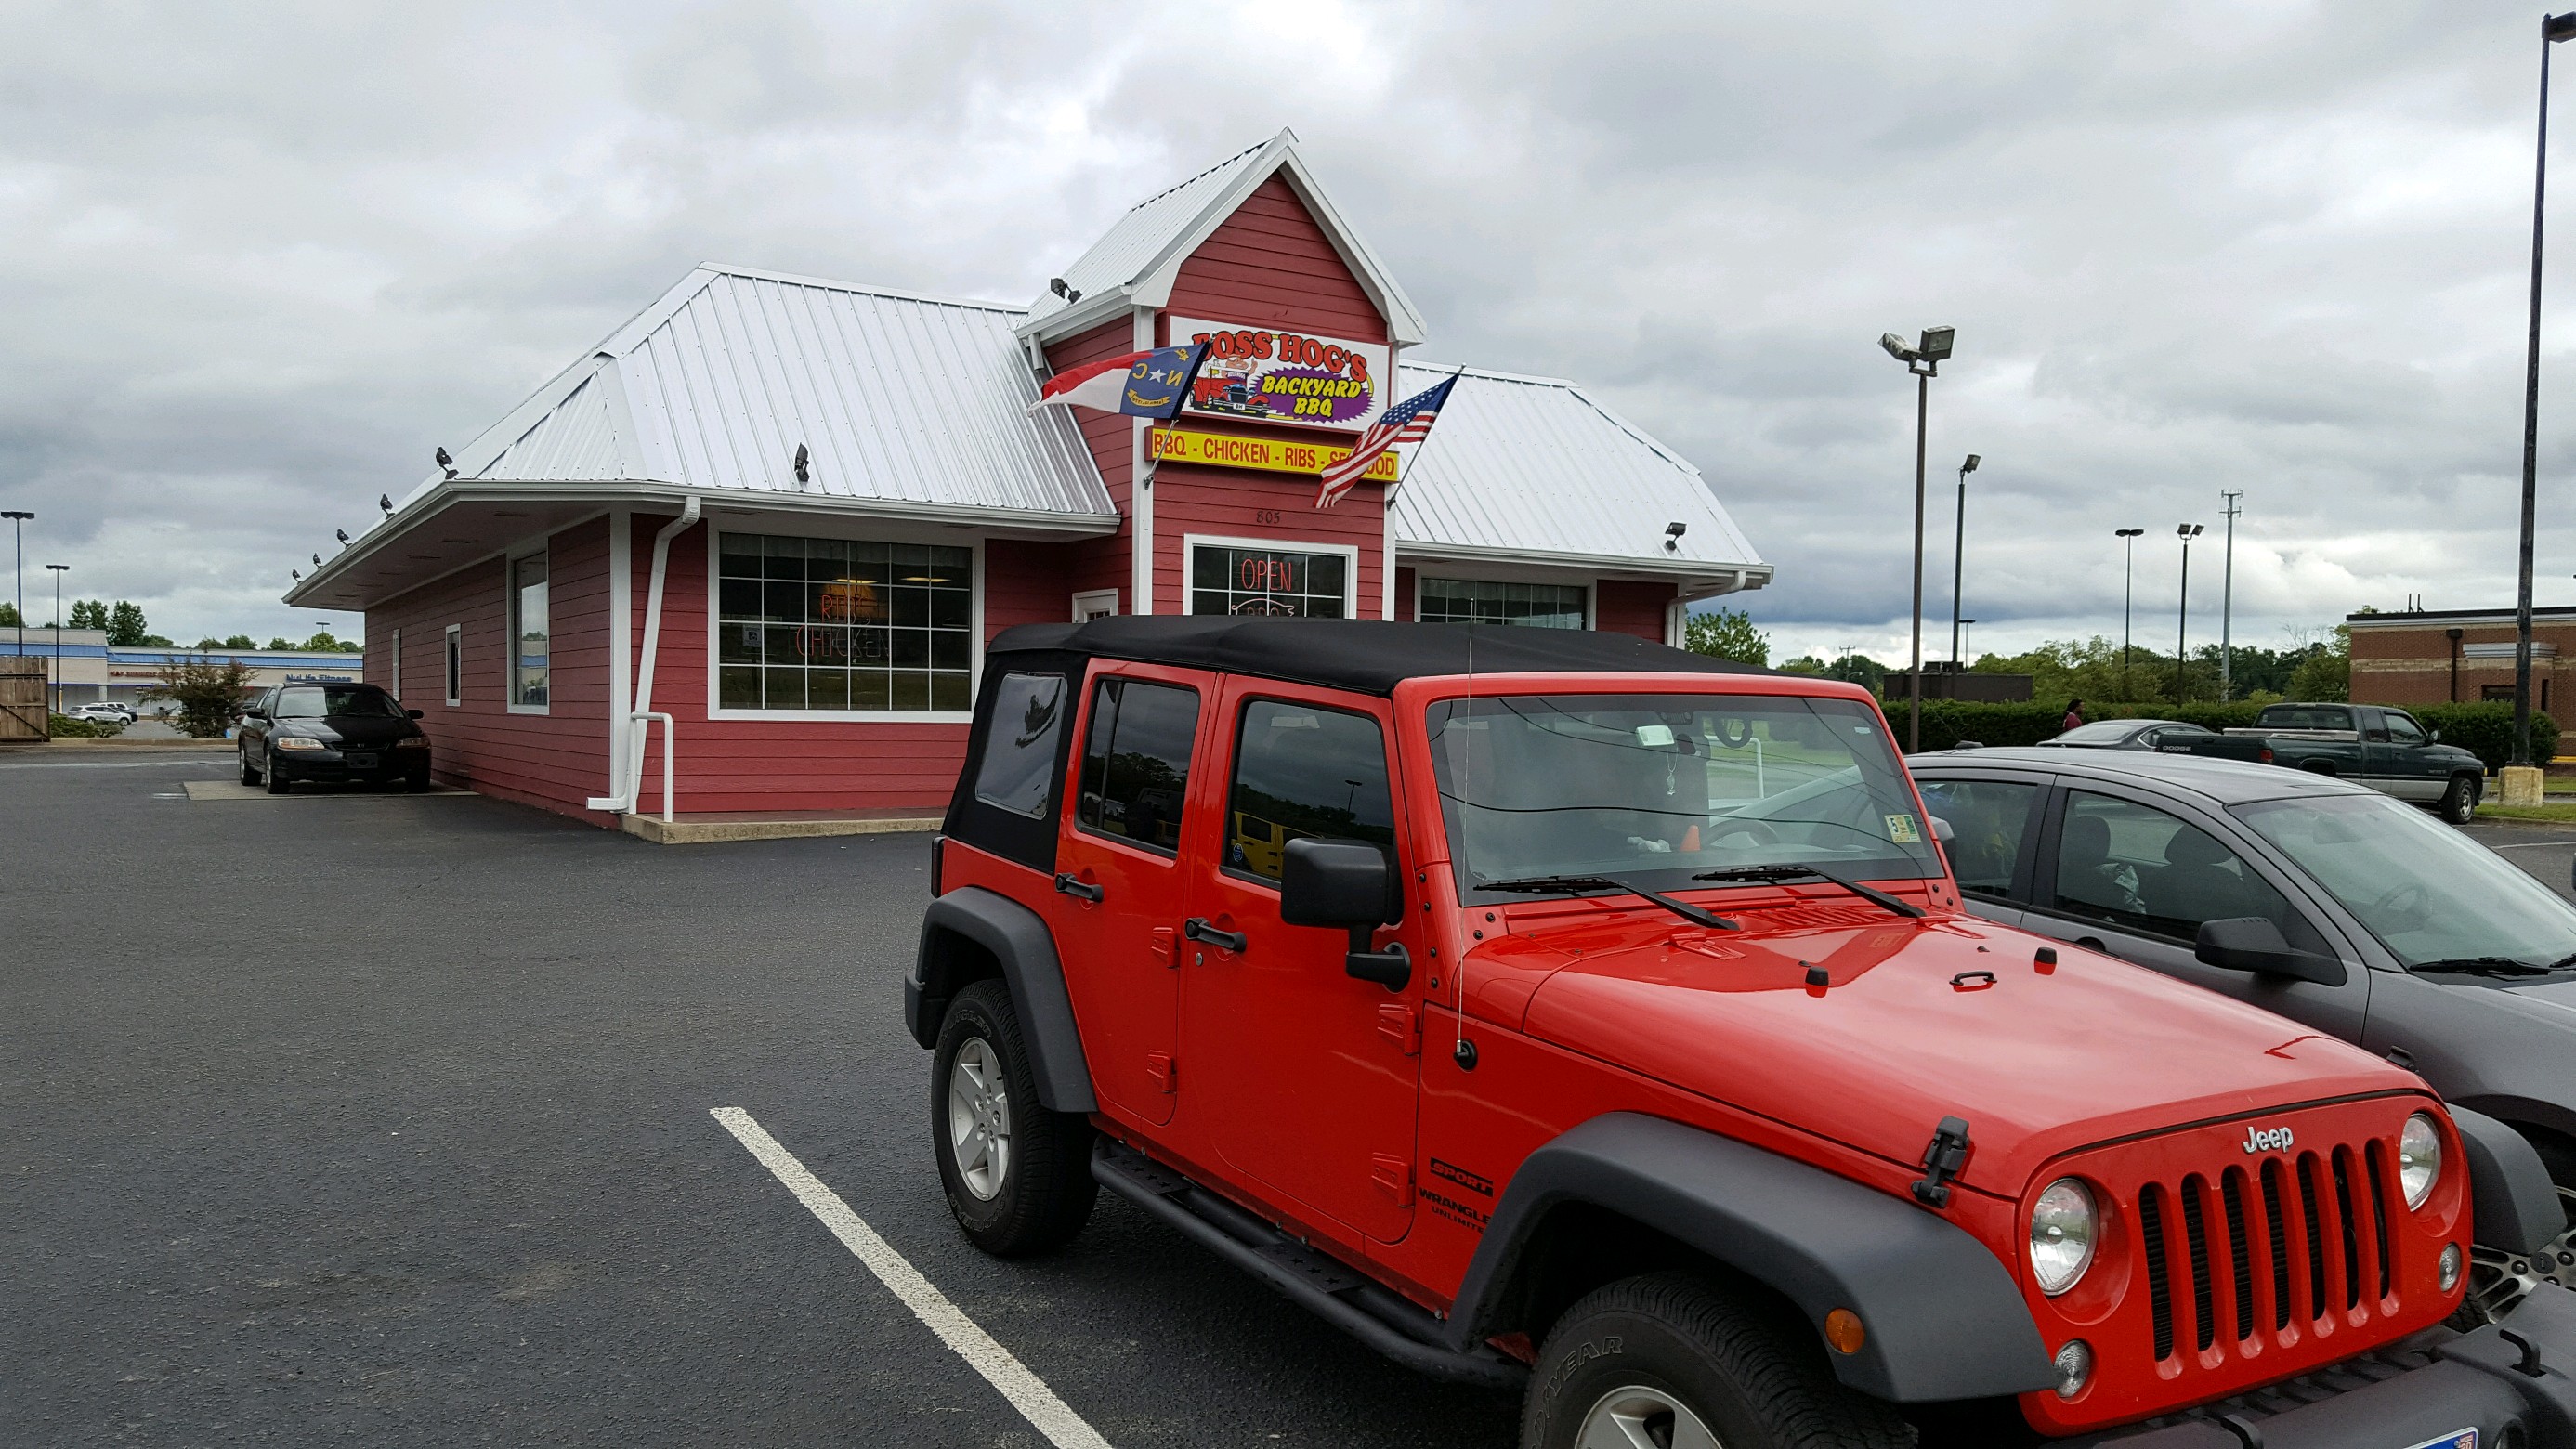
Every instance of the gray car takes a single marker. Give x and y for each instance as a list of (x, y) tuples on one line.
[(2321, 900)]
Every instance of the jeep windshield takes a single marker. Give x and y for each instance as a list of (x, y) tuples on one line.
[(1655, 789)]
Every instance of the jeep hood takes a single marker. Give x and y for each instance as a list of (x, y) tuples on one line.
[(2038, 1063)]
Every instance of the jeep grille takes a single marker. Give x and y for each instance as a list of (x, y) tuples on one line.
[(2297, 1243)]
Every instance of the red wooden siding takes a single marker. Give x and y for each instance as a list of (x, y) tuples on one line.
[(1629, 608), (1227, 502), (555, 760), (1270, 263), (1404, 595)]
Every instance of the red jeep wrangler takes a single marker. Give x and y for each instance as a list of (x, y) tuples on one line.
[(1560, 1009)]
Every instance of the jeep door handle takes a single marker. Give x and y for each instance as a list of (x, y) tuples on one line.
[(1198, 929), (1078, 888)]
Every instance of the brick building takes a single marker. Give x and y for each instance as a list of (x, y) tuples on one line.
[(2456, 656), (782, 516)]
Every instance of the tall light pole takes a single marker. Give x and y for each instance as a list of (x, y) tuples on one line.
[(18, 520), (1958, 558), (58, 569), (1963, 625), (2128, 597), (2553, 28), (2182, 621), (2227, 601), (1924, 360)]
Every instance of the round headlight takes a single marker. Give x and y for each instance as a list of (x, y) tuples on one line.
[(2062, 1229), (2419, 1158)]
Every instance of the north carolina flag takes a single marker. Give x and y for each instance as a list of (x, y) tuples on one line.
[(1150, 384)]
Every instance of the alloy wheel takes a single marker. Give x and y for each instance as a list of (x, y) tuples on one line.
[(979, 1118), (1638, 1417)]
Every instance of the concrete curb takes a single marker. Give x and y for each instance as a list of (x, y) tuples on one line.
[(709, 832)]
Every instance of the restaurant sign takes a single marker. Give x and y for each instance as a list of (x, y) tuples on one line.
[(1274, 375), (1175, 445)]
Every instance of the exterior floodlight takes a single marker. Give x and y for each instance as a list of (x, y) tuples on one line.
[(2187, 530), (1672, 536), (2558, 27), (1935, 346), (1969, 466), (2127, 532), (1896, 347)]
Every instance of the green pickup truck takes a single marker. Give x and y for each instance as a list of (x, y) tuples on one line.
[(2365, 743)]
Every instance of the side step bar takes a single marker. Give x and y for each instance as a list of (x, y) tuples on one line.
[(1371, 1314)]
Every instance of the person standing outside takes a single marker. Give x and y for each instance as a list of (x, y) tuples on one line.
[(2074, 715)]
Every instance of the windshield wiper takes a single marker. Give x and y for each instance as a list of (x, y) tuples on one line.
[(1683, 909), (1871, 894), (2492, 966)]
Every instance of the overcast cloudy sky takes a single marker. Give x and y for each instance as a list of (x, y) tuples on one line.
[(256, 262)]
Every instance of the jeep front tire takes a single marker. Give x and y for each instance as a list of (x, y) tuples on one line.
[(1018, 1176), (1668, 1359)]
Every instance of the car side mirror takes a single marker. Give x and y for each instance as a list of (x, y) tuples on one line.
[(411, 714), (1942, 830), (2255, 944), (1346, 885), (2433, 737)]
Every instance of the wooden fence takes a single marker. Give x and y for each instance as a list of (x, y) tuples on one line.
[(22, 699)]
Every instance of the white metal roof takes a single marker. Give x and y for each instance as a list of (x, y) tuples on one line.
[(1536, 467), (897, 398), (1136, 261)]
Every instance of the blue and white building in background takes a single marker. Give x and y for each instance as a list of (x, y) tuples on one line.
[(93, 671)]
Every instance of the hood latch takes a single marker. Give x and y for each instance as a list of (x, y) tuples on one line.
[(1942, 1161)]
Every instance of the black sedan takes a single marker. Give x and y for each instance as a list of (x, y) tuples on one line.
[(334, 734), (2318, 899), (2126, 734)]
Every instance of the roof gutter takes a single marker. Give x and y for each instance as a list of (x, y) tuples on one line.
[(639, 712), (1754, 574)]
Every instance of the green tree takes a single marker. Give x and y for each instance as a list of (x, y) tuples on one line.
[(9, 617), (323, 642), (1804, 664), (275, 642), (1727, 634), (88, 614), (210, 696), (239, 641), (2327, 673), (125, 626), (1859, 669)]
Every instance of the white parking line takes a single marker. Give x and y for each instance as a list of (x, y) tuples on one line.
[(1027, 1392)]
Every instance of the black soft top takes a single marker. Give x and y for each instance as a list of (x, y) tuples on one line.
[(1368, 655)]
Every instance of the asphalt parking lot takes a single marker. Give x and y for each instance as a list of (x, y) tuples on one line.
[(388, 1119)]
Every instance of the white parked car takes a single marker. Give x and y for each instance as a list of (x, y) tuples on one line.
[(105, 712)]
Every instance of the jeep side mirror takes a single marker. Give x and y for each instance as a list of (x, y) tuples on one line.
[(1346, 885), (2253, 943)]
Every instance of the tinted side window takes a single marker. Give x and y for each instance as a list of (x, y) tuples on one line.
[(2140, 869), (2402, 730), (1136, 761), (1301, 771), (1018, 772), (1989, 818)]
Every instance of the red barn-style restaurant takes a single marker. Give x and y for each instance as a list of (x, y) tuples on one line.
[(782, 516)]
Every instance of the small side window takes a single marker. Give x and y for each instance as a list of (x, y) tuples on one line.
[(1018, 773), (1300, 771), (1988, 820), (455, 666), (1136, 762), (2402, 730)]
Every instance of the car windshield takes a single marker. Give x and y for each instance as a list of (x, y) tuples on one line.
[(321, 701), (1657, 788), (2100, 732), (2429, 893)]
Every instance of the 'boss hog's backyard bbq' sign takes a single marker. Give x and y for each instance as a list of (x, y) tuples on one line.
[(1278, 376)]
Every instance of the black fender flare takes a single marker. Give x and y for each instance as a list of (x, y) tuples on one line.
[(1944, 1319), (1019, 940), (2513, 1204)]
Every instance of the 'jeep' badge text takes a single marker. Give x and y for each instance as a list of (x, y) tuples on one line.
[(2257, 1139)]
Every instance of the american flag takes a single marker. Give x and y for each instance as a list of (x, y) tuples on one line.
[(1407, 422)]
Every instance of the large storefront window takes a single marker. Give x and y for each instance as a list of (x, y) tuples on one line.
[(529, 650), (1225, 579), (835, 624), (1467, 601)]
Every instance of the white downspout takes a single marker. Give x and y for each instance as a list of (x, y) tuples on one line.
[(640, 707)]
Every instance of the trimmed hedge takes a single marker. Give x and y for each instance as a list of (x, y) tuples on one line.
[(70, 727), (2484, 729)]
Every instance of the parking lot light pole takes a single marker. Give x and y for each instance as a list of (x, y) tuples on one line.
[(2182, 620), (18, 519), (1924, 361), (2128, 596), (2525, 788), (1964, 625), (2227, 600), (1958, 557), (57, 705)]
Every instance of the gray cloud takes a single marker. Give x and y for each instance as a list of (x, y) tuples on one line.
[(261, 263)]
